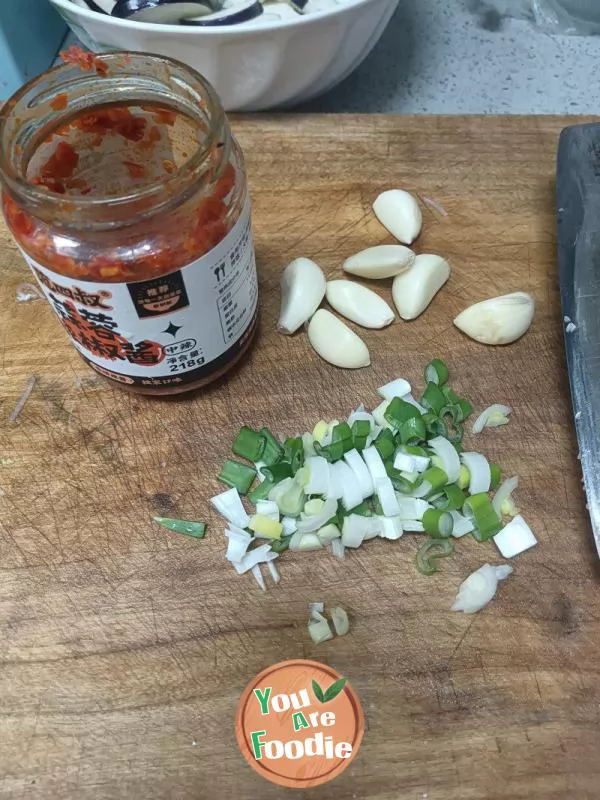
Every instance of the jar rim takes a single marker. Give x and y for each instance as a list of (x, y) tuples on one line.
[(25, 105)]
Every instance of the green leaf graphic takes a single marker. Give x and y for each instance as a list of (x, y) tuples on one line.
[(334, 690), (318, 692)]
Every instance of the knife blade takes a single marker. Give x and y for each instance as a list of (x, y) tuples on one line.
[(578, 230)]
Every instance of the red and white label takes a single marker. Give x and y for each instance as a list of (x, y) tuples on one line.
[(169, 330)]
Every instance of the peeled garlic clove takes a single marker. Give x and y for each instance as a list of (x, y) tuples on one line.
[(414, 290), (399, 212), (302, 290), (359, 304), (382, 261), (499, 320), (336, 343)]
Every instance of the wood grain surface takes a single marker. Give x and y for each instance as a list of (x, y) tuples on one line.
[(124, 649)]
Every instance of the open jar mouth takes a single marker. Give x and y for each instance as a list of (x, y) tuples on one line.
[(65, 93)]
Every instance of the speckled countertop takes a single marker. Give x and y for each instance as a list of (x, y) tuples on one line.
[(465, 57)]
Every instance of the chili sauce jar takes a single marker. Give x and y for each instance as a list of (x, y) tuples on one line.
[(125, 190)]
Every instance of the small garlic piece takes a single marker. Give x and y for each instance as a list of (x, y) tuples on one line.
[(414, 290), (499, 320), (381, 261), (336, 343), (302, 289), (359, 304), (399, 212)]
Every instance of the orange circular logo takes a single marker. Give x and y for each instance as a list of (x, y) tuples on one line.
[(299, 724)]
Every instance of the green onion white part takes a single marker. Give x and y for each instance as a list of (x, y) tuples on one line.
[(400, 469), (397, 388), (479, 588), (504, 493), (480, 476), (492, 417), (515, 538), (229, 505), (341, 624)]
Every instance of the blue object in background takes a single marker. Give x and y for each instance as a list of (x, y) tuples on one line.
[(31, 33)]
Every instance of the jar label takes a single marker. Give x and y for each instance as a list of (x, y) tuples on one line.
[(166, 331)]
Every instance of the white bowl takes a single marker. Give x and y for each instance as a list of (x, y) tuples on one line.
[(254, 66)]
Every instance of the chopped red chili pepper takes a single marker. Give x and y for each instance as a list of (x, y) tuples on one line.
[(84, 60), (59, 103)]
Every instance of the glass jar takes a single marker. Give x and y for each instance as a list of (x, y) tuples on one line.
[(126, 193)]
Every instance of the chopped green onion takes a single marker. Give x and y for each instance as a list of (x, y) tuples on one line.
[(451, 397), (399, 411), (277, 472), (479, 509), (324, 451), (293, 452), (385, 444), (342, 436), (495, 475), (363, 510), (399, 480), (314, 506), (452, 498), (273, 451), (433, 398), (377, 507), (457, 434), (291, 502), (414, 450), (459, 411), (279, 545), (464, 477), (436, 426), (260, 492), (430, 551), (436, 478), (361, 429), (437, 523), (413, 431), (436, 372), (249, 444), (239, 476), (184, 526), (458, 447)]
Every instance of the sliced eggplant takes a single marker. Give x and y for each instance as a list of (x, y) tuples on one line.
[(163, 12), (232, 15), (95, 7), (297, 5)]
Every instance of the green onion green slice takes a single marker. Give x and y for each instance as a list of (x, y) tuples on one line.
[(430, 551), (433, 398), (436, 372), (479, 509), (249, 444), (438, 524), (273, 451), (184, 526), (239, 476)]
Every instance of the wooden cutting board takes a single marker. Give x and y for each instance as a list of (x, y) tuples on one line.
[(124, 649)]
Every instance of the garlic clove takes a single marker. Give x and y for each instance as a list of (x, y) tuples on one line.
[(414, 290), (302, 290), (336, 343), (399, 212), (381, 261), (359, 304), (499, 320)]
